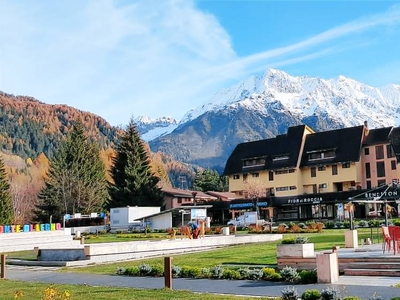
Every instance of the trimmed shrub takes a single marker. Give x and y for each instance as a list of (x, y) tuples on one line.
[(176, 271), (374, 223), (244, 273), (157, 271), (346, 224), (267, 273), (205, 273), (231, 274), (329, 224), (376, 297), (190, 272), (134, 271), (302, 225), (353, 298), (290, 274), (255, 274), (301, 239), (311, 295), (144, 269), (275, 277), (288, 241), (120, 271), (308, 276), (217, 272), (339, 224), (396, 222), (330, 294), (290, 293), (363, 223)]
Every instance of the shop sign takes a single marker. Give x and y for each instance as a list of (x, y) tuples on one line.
[(305, 200)]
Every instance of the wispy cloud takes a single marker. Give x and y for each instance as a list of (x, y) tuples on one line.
[(149, 57)]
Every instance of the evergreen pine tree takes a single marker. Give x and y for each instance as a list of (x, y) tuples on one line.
[(6, 207), (133, 180), (209, 180), (76, 181)]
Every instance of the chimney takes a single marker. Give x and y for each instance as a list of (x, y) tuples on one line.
[(366, 129)]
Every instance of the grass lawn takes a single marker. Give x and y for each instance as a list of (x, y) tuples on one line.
[(250, 254), (32, 290)]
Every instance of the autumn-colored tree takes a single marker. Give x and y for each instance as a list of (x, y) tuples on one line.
[(6, 209), (76, 179), (134, 183)]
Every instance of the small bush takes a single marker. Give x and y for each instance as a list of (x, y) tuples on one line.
[(339, 224), (231, 274), (255, 274), (120, 271), (374, 223), (244, 273), (301, 239), (144, 269), (134, 271), (329, 224), (157, 271), (275, 277), (376, 297), (311, 295), (205, 273), (308, 276), (363, 223), (330, 294), (310, 224), (346, 224), (190, 272), (290, 274), (217, 272), (302, 225), (395, 298), (288, 241), (396, 222), (267, 273), (282, 228), (176, 271), (352, 298), (290, 293)]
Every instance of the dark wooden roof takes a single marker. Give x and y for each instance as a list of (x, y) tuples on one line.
[(283, 145), (345, 142), (377, 136)]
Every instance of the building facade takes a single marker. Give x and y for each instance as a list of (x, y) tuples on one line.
[(309, 175)]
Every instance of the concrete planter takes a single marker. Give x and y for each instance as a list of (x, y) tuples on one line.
[(351, 238), (295, 250)]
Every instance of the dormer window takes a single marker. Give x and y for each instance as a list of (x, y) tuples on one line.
[(315, 155), (253, 162), (282, 157)]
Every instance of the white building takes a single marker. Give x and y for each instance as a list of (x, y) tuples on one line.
[(124, 217)]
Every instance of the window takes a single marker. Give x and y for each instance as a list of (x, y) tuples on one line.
[(389, 151), (381, 182), (367, 170), (380, 169), (271, 176), (281, 172), (345, 165), (321, 168), (334, 170), (270, 192), (283, 157), (255, 174), (379, 152), (254, 162), (236, 176), (282, 188), (322, 186), (366, 151), (179, 200), (321, 155), (313, 172), (369, 185), (292, 187), (393, 164), (291, 170)]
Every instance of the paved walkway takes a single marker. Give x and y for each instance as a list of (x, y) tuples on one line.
[(363, 287)]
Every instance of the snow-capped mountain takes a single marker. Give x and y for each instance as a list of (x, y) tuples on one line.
[(350, 101), (265, 106), (150, 129)]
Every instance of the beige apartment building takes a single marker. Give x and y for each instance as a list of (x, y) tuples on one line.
[(309, 175)]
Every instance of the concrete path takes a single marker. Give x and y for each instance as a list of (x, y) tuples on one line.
[(363, 287)]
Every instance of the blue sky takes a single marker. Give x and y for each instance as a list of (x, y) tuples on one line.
[(122, 59)]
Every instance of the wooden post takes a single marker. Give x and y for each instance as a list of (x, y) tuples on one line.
[(3, 266), (168, 272)]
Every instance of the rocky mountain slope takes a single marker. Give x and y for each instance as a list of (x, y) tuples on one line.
[(263, 107)]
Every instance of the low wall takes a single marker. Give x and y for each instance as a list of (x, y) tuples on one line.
[(88, 229)]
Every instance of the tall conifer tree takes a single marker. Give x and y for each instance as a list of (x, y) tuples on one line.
[(76, 181), (6, 207), (133, 181)]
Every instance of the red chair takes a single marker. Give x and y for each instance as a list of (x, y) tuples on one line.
[(396, 239), (387, 239)]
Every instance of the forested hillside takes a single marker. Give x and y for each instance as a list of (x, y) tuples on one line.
[(29, 127)]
